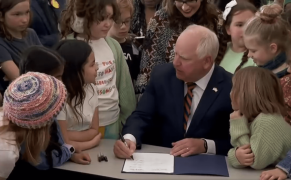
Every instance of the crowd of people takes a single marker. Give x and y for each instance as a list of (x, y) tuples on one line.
[(196, 76)]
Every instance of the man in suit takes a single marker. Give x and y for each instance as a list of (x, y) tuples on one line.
[(192, 117)]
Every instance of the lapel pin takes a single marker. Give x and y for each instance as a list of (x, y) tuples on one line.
[(215, 89)]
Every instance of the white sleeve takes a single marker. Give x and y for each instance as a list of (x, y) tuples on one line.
[(7, 162), (63, 115)]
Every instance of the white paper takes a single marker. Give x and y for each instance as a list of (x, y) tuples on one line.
[(150, 163)]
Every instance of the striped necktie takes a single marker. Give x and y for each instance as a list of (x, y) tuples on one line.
[(188, 103)]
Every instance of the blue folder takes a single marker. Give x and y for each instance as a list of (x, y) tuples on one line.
[(202, 164)]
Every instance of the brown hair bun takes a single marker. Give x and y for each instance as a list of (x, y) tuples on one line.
[(269, 13)]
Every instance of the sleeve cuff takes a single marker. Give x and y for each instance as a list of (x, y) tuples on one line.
[(130, 137), (283, 169), (211, 146), (232, 158)]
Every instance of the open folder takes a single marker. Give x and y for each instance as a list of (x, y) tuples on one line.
[(158, 163)]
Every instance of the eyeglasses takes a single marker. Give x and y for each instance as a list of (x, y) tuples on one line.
[(120, 23), (180, 3)]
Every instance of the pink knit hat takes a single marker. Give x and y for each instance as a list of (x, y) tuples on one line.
[(33, 100)]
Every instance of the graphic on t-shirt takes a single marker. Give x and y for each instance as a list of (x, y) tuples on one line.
[(127, 56), (105, 77)]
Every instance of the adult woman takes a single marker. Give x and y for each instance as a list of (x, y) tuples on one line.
[(164, 29)]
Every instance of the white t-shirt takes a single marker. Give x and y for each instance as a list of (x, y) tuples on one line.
[(89, 105), (9, 151), (106, 82)]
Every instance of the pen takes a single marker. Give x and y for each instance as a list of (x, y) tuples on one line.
[(123, 140)]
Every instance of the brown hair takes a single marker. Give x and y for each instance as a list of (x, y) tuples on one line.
[(5, 6), (91, 11), (241, 6), (269, 27), (257, 90), (207, 15), (35, 141), (125, 5)]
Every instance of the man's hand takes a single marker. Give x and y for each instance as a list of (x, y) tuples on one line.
[(273, 174), (245, 155), (81, 158), (188, 147), (123, 152)]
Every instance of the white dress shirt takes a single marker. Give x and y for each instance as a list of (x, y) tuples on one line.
[(198, 91)]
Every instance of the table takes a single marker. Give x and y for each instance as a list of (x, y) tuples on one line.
[(113, 167)]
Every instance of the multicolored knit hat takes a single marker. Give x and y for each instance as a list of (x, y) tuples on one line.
[(33, 100)]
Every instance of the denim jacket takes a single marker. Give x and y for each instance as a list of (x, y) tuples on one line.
[(285, 164), (57, 159)]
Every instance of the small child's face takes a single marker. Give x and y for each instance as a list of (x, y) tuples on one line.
[(121, 28), (235, 30), (261, 54), (90, 70), (17, 18), (100, 30)]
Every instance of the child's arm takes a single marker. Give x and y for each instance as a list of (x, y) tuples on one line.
[(87, 135), (285, 164), (239, 130), (89, 144)]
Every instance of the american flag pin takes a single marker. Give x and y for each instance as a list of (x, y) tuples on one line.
[(215, 89)]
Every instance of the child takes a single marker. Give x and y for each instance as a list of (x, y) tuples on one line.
[(257, 123), (265, 38), (31, 103), (15, 37), (52, 64), (83, 20), (79, 120), (235, 16), (119, 31)]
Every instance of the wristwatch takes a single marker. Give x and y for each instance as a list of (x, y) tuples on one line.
[(70, 147), (205, 145)]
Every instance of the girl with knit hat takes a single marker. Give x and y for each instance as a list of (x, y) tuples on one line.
[(31, 104)]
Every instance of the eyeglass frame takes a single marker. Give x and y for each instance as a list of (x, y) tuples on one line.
[(185, 2), (124, 22)]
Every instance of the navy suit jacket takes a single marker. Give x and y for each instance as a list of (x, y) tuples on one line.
[(158, 118), (45, 21)]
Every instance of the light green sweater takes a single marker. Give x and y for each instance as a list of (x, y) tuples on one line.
[(269, 136), (127, 99)]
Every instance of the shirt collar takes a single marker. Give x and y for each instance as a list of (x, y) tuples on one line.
[(202, 83)]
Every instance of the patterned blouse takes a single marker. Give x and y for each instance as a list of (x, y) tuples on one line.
[(286, 86), (158, 47)]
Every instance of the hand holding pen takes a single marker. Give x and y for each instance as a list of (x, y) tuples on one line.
[(124, 148)]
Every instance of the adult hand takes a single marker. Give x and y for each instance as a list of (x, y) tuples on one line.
[(245, 155), (123, 152), (273, 174), (81, 158), (235, 115), (188, 147)]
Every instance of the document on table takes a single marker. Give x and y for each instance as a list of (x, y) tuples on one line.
[(150, 163)]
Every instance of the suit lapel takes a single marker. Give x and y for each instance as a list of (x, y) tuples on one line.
[(207, 98), (178, 96)]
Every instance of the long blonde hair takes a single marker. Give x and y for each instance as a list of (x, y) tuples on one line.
[(257, 90), (34, 140)]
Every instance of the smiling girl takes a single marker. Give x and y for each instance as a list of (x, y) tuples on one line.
[(15, 37)]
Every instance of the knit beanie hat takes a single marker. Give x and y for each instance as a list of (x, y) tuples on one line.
[(33, 100)]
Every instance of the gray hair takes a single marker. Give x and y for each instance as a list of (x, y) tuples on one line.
[(208, 45)]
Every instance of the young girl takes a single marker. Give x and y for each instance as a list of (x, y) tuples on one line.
[(265, 38), (15, 37), (119, 31), (79, 120), (257, 123), (90, 21), (235, 16), (31, 103), (52, 64)]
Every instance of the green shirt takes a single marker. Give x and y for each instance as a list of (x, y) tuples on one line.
[(232, 60), (269, 136)]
